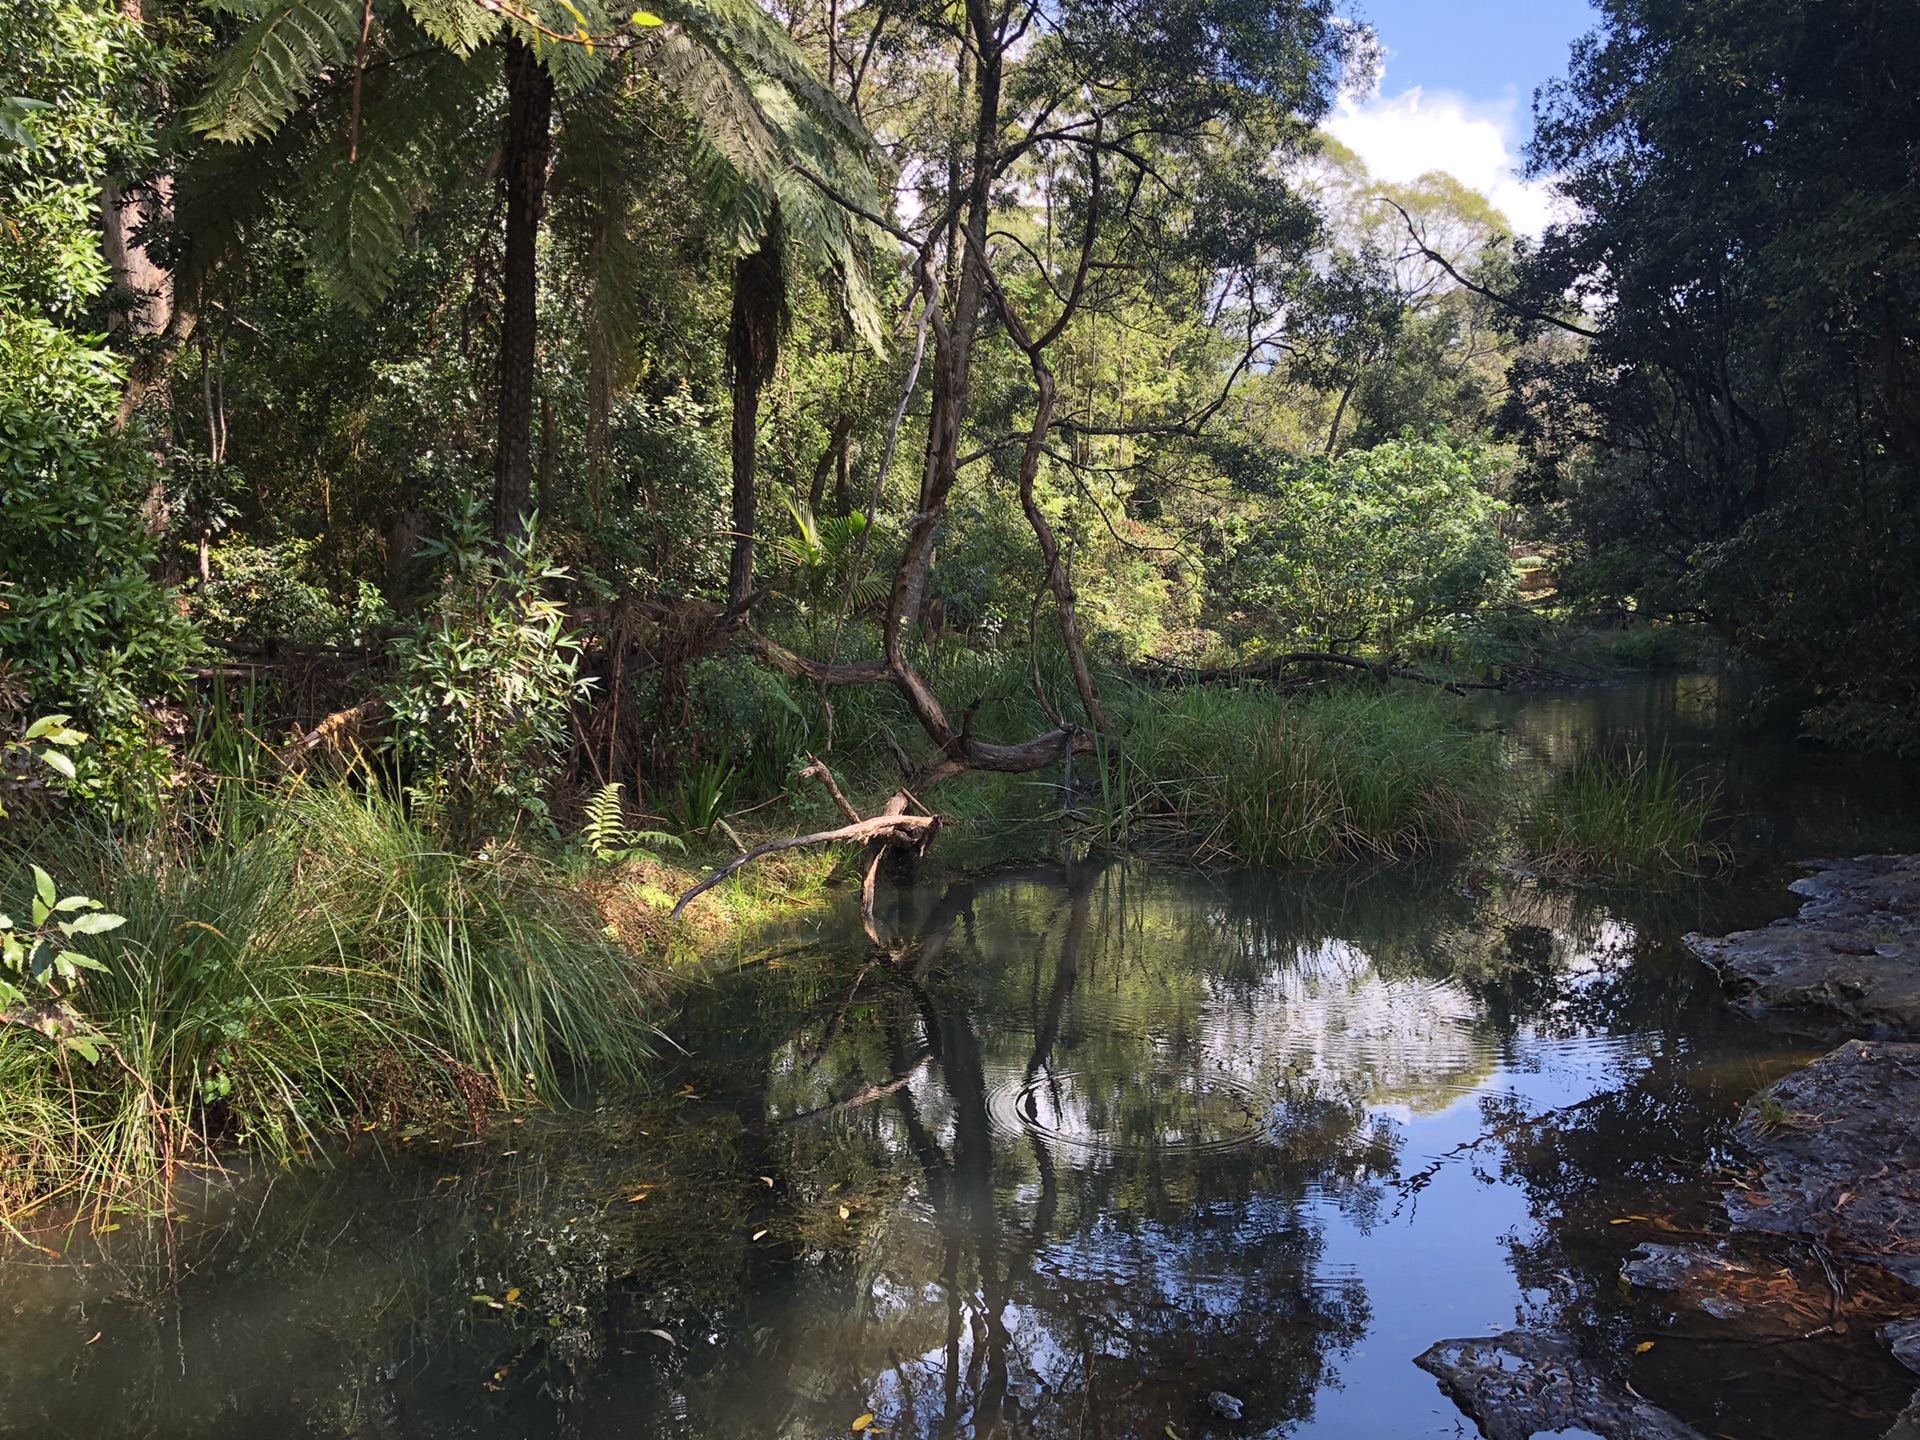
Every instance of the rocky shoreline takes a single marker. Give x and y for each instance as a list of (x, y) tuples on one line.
[(1838, 1144)]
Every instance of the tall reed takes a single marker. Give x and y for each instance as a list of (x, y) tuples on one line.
[(1250, 777), (307, 959), (1630, 818)]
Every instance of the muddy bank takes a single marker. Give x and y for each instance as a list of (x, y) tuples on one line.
[(1853, 951)]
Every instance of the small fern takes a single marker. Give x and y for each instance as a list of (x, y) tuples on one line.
[(606, 829), (606, 836)]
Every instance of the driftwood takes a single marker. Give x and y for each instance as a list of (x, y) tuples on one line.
[(1167, 672), (894, 825), (330, 734)]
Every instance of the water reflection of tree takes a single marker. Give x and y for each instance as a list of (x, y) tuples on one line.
[(1048, 1284)]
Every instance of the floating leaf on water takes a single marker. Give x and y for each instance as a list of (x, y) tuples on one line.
[(758, 1233), (767, 1180), (635, 1199), (664, 1336), (1628, 1220), (1643, 1347), (861, 1422)]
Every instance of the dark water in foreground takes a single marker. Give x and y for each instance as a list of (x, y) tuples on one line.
[(1072, 1147)]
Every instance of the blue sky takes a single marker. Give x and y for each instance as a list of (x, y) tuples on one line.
[(1489, 50), (1457, 92)]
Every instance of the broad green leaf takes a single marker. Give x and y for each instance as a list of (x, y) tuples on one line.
[(43, 884), (98, 923), (57, 761)]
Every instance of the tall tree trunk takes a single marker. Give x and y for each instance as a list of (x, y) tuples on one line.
[(528, 144), (753, 348)]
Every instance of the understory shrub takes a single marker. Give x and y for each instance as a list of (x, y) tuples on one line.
[(85, 629), (484, 681)]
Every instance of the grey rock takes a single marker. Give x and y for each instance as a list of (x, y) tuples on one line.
[(1906, 1425), (1842, 1155), (1903, 1338), (1526, 1383), (1688, 1270), (1225, 1406), (1853, 950)]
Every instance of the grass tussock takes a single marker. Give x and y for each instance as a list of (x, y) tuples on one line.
[(1248, 777), (1629, 819), (308, 961)]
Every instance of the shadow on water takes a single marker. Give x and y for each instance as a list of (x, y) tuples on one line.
[(1063, 1153)]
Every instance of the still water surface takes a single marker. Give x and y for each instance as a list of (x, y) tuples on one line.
[(1070, 1148)]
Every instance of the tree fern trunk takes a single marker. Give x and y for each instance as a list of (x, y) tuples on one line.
[(528, 142), (753, 348)]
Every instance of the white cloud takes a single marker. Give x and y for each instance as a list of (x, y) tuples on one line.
[(1405, 136)]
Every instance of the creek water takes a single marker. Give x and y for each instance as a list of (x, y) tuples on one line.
[(1062, 1150)]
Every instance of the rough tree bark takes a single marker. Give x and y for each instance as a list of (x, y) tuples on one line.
[(753, 349), (528, 147)]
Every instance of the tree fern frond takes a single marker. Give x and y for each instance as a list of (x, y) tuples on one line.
[(364, 208), (752, 40), (461, 25), (275, 65)]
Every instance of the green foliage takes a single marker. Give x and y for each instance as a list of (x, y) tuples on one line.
[(1736, 443), (84, 626), (42, 743), (606, 835), (1253, 778), (256, 593), (699, 803), (1367, 546), (483, 685), (308, 959), (71, 72), (40, 969), (1632, 819)]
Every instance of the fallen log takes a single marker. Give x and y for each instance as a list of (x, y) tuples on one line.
[(1168, 672), (330, 734), (894, 825)]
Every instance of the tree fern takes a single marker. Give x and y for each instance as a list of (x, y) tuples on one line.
[(275, 65), (364, 208)]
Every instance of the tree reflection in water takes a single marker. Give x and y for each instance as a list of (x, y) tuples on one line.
[(1108, 1121)]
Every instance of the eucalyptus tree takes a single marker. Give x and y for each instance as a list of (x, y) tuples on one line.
[(1157, 141), (360, 106)]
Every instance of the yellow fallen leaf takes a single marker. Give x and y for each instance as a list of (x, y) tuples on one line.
[(637, 1198), (758, 1233), (767, 1180), (1628, 1220), (844, 1213), (1643, 1347), (513, 1294), (863, 1421)]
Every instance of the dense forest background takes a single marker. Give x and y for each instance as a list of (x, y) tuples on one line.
[(655, 397)]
